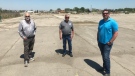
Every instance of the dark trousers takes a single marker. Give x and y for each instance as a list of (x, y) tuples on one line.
[(28, 47), (65, 39), (105, 52)]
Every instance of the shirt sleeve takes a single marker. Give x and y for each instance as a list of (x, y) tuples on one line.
[(99, 25), (72, 27), (60, 26), (114, 26), (20, 30), (35, 28)]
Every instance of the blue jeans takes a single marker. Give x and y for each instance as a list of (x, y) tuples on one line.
[(105, 52), (65, 39)]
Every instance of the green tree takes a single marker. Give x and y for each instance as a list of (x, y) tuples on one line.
[(82, 9), (58, 9), (76, 9), (67, 10), (51, 10), (87, 10)]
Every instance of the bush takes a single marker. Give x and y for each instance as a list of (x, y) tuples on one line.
[(10, 15)]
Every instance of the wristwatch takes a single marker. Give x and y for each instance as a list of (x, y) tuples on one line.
[(110, 42)]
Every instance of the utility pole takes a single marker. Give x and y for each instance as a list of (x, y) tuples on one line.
[(91, 8)]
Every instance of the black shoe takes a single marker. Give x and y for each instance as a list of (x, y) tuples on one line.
[(107, 75), (71, 55), (63, 55)]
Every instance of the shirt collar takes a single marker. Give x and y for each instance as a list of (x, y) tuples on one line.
[(29, 22), (107, 20)]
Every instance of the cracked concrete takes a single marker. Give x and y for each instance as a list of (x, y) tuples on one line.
[(48, 48)]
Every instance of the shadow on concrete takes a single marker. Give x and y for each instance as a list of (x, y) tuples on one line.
[(59, 51), (94, 65), (32, 54)]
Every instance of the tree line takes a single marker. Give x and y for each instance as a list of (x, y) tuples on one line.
[(14, 13), (88, 10)]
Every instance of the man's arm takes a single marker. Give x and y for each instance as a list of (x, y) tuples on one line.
[(72, 32), (60, 31), (20, 31), (60, 34), (115, 30), (114, 36), (35, 28), (97, 37), (98, 30)]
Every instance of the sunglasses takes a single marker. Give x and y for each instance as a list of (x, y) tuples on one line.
[(105, 13), (66, 17), (27, 16)]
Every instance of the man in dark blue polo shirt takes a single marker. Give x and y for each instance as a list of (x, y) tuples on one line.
[(107, 33), (66, 32)]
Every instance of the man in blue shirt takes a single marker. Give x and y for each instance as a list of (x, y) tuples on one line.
[(107, 33)]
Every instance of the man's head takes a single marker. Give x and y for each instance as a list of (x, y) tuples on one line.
[(27, 16), (105, 14), (67, 17)]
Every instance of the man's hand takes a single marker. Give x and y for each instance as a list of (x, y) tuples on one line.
[(60, 37), (71, 37), (109, 43), (25, 38), (60, 34)]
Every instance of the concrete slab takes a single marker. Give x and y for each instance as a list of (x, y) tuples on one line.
[(48, 51)]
